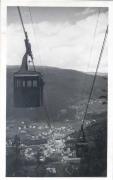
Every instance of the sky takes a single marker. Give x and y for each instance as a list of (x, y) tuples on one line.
[(63, 37)]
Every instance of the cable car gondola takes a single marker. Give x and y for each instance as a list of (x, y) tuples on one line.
[(28, 84), (28, 89)]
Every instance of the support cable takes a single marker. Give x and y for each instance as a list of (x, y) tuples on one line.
[(25, 33), (94, 34), (45, 105), (34, 34), (101, 52), (21, 21), (92, 46)]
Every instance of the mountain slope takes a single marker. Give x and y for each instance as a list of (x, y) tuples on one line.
[(62, 89)]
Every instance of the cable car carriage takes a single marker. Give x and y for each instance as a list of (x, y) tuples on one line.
[(28, 89), (28, 84)]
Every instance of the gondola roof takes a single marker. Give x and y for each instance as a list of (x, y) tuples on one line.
[(27, 73)]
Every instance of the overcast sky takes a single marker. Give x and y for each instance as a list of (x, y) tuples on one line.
[(60, 37)]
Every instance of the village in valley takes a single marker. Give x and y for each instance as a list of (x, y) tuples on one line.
[(51, 147)]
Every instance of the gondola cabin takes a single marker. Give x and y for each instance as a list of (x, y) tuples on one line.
[(28, 89)]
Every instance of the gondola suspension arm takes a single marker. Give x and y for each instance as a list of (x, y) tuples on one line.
[(27, 43)]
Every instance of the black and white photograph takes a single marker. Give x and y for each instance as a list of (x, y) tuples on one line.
[(57, 91)]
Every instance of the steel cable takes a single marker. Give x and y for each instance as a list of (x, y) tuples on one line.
[(101, 52)]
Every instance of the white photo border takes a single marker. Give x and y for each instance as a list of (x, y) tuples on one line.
[(3, 59)]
